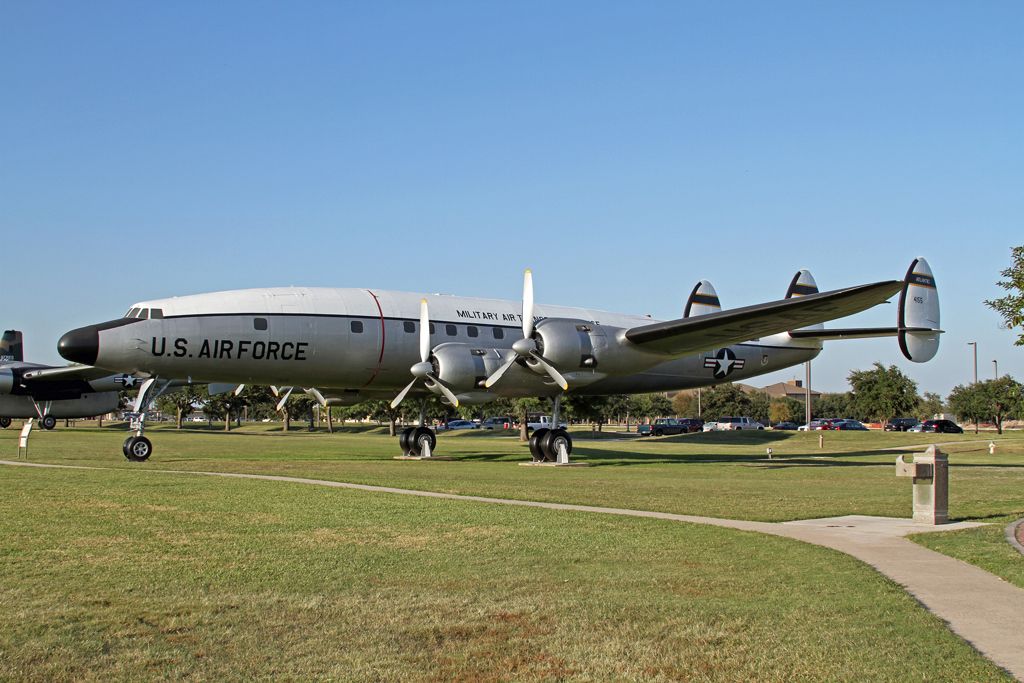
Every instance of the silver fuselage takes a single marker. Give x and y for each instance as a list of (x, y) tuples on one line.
[(360, 343)]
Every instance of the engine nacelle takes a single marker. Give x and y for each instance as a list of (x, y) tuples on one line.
[(585, 352), (462, 367)]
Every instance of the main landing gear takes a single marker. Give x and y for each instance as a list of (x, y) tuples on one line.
[(5, 422), (548, 445), (551, 445), (137, 448), (418, 442)]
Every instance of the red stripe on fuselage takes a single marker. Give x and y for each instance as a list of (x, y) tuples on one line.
[(380, 358)]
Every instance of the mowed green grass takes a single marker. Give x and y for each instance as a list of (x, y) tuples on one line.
[(720, 474), (134, 574)]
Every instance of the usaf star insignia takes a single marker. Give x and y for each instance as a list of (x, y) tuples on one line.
[(724, 362)]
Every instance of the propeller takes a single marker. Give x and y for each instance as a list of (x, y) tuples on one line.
[(527, 346), (424, 370), (277, 391)]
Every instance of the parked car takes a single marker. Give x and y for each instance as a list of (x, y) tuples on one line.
[(901, 424), (498, 422), (460, 424), (942, 427), (710, 427), (731, 423), (543, 422), (816, 425), (916, 428), (664, 426), (786, 426), (849, 425)]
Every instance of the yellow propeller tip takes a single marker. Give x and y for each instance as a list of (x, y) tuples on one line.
[(528, 271)]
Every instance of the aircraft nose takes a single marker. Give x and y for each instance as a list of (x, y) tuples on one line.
[(81, 345)]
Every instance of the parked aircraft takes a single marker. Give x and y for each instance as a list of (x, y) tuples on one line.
[(33, 390), (348, 345)]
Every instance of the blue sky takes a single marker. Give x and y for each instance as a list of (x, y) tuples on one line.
[(621, 150)]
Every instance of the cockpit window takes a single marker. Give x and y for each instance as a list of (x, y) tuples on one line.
[(132, 313), (156, 313)]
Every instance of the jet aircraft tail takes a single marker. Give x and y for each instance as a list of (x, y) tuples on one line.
[(11, 349)]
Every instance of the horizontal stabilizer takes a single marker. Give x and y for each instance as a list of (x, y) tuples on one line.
[(856, 332), (687, 335)]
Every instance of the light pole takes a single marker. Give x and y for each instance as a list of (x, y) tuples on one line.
[(995, 369), (807, 395), (975, 345)]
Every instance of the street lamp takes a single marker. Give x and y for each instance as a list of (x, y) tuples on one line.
[(995, 369), (975, 345)]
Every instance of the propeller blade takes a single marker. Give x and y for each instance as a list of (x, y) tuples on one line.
[(284, 399), (527, 303), (500, 371), (275, 391), (401, 395), (548, 368), (239, 389), (424, 331), (444, 390)]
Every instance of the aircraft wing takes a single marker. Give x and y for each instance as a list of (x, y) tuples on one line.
[(688, 335), (86, 373)]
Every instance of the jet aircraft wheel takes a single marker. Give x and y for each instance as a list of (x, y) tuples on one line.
[(555, 437), (139, 448), (124, 446), (48, 422), (419, 437), (405, 439), (535, 443), (5, 422)]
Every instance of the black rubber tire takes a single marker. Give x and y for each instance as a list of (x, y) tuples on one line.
[(48, 422), (124, 446), (659, 432), (417, 439), (405, 439), (139, 449), (535, 443), (549, 446), (5, 422)]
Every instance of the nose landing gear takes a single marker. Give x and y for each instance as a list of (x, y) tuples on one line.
[(137, 448)]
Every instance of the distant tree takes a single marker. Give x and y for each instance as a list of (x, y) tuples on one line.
[(993, 399), (522, 407), (591, 408), (785, 409), (180, 401), (1011, 306), (931, 405), (684, 404), (659, 405), (833, 405), (725, 399), (882, 393), (760, 404), (226, 405)]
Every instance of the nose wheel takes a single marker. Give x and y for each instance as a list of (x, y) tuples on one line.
[(547, 444), (137, 448), (48, 422), (5, 422)]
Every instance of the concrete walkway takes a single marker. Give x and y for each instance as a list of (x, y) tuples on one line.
[(980, 607)]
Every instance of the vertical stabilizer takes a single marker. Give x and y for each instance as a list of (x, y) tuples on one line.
[(803, 284), (918, 320), (703, 300), (10, 347)]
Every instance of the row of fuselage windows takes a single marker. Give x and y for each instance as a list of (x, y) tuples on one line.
[(449, 329)]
